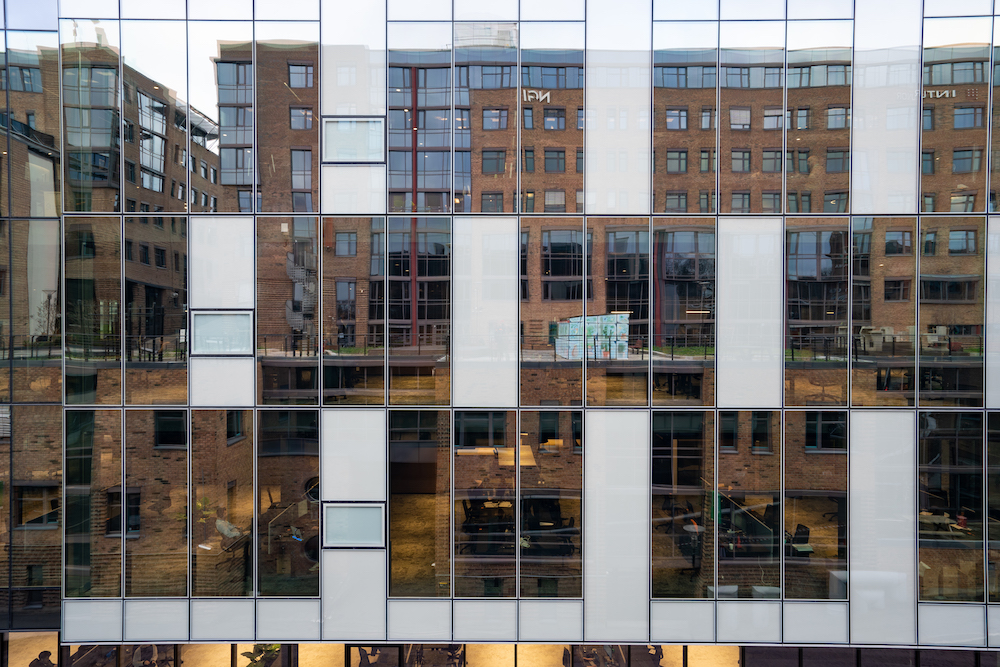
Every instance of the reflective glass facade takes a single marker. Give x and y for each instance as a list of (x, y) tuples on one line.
[(589, 332)]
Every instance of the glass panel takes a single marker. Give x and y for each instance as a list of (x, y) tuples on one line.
[(683, 521), (551, 119), (616, 332), (288, 513), (94, 517), (486, 112), (26, 647), (419, 315), (683, 337), (156, 109), (552, 279), (485, 480), (749, 504), (816, 505), (993, 502), (751, 105), (817, 270), (818, 156), (354, 304), (353, 526), (551, 504), (419, 503), (155, 310), (84, 654), (420, 99), (883, 317), (350, 140), (954, 128), (148, 654), (358, 87), (93, 321), (34, 126), (37, 488), (287, 311), (288, 86), (37, 376), (155, 503), (220, 63), (222, 503), (685, 62), (359, 656), (222, 333), (619, 100), (951, 506), (952, 311), (91, 108)]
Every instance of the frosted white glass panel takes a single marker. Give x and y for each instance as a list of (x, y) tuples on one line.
[(963, 8), (993, 313), (354, 595), (291, 620), (221, 262), (758, 9), (354, 189), (820, 9), (951, 624), (354, 461), (485, 293), (222, 620), (282, 10), (617, 177), (89, 9), (476, 10), (427, 10), (38, 15), (556, 10), (553, 36), (221, 382), (550, 620), (887, 103), (616, 531), (424, 620), (815, 622), (993, 626), (682, 622), (353, 140), (749, 313), (162, 9), (91, 621), (156, 620), (354, 65), (222, 333), (683, 10), (485, 620), (221, 9), (354, 526), (883, 527), (749, 622)]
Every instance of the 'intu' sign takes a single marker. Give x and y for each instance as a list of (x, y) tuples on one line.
[(535, 95), (939, 93)]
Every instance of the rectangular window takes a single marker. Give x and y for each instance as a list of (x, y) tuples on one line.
[(529, 122), (741, 202), (770, 202), (962, 242), (741, 161), (494, 162), (579, 160), (838, 118), (579, 118), (927, 162), (803, 162), (130, 171), (529, 159), (555, 160), (677, 162), (930, 243), (739, 118), (963, 291), (301, 119), (897, 290), (555, 119), (301, 169), (772, 162), (677, 119), (708, 118), (161, 257), (37, 506), (528, 202), (835, 202), (802, 119), (966, 160), (773, 119), (898, 242), (706, 201), (928, 118), (707, 160), (492, 202), (144, 253), (494, 119), (555, 201), (300, 76), (968, 117), (346, 244), (964, 203), (837, 161), (675, 202)]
